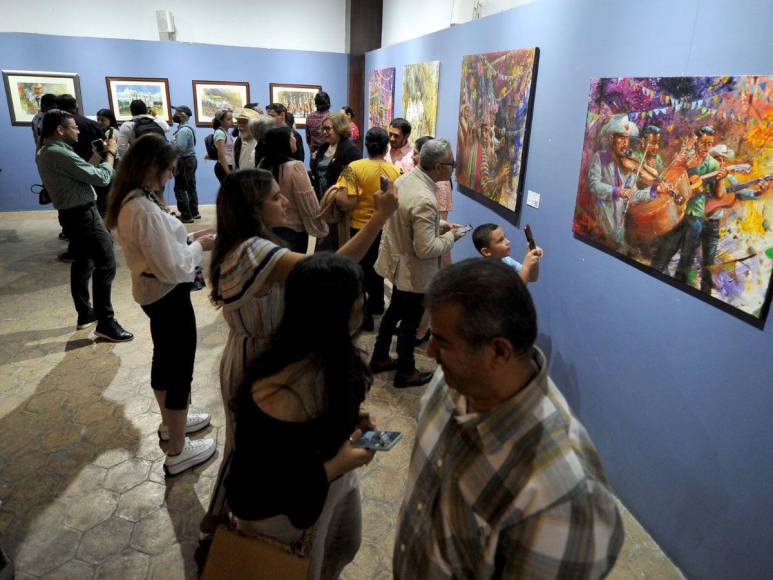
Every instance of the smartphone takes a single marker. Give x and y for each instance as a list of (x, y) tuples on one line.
[(384, 183), (464, 229), (529, 237), (378, 440), (99, 145)]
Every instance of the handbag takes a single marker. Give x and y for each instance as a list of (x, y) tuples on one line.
[(42, 193), (334, 215), (235, 555), (238, 556)]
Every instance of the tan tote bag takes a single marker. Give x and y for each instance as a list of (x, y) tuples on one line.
[(238, 556)]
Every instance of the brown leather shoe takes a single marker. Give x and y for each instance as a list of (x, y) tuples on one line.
[(415, 379), (382, 366)]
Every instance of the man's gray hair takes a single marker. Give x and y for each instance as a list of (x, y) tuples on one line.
[(433, 152), (259, 127)]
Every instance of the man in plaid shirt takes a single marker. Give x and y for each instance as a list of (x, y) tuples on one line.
[(504, 481)]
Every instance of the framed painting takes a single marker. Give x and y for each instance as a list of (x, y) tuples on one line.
[(420, 93), (381, 97), (299, 99), (25, 88), (495, 110), (675, 177), (121, 91), (212, 96)]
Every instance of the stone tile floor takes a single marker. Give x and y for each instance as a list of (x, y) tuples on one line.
[(82, 488)]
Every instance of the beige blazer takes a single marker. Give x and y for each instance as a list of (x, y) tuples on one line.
[(411, 243)]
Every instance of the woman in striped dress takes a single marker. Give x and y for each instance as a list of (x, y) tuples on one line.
[(249, 266)]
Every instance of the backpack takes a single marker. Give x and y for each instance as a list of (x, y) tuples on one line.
[(209, 145), (145, 125)]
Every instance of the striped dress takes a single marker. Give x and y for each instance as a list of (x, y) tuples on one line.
[(252, 311)]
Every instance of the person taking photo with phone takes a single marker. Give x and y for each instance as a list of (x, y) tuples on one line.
[(70, 182), (163, 258), (298, 415), (414, 238)]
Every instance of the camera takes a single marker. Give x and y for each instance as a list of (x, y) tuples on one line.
[(98, 145)]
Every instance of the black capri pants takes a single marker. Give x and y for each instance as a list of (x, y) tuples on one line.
[(173, 330)]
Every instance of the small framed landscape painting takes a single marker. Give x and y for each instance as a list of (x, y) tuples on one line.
[(209, 97), (25, 88), (121, 91), (299, 99)]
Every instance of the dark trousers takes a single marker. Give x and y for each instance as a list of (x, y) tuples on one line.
[(173, 330), (296, 241), (220, 172), (406, 308), (374, 284), (61, 224), (102, 195), (92, 249), (185, 187), (685, 239)]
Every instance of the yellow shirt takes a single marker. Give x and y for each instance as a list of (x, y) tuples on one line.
[(361, 179)]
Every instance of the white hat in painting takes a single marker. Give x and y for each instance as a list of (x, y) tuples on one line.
[(620, 125), (722, 150)]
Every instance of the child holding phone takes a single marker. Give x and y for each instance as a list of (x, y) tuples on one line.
[(491, 242)]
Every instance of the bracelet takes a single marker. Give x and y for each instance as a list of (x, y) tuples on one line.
[(109, 153)]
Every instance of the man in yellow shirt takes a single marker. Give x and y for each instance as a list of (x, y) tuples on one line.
[(358, 182)]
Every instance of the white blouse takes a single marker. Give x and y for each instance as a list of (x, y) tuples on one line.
[(156, 244)]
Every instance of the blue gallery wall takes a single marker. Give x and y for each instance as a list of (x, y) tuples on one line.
[(676, 393), (95, 58)]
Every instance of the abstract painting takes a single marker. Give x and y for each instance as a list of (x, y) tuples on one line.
[(381, 97), (676, 175), (497, 94), (121, 91), (420, 92), (25, 88), (299, 99), (209, 97)]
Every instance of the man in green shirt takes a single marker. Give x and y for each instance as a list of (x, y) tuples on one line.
[(686, 237), (70, 182)]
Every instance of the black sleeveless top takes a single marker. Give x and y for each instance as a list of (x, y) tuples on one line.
[(277, 466)]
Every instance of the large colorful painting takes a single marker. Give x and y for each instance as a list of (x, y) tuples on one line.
[(381, 96), (420, 92), (209, 97), (497, 93), (299, 99), (121, 91), (675, 175), (25, 88)]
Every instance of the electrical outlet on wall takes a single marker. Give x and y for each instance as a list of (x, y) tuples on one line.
[(532, 199)]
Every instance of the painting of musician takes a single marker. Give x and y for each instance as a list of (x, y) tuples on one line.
[(676, 174), (612, 179), (495, 103)]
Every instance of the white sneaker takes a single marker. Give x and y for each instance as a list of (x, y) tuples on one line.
[(194, 453), (195, 422)]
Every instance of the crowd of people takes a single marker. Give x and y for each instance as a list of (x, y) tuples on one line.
[(504, 481)]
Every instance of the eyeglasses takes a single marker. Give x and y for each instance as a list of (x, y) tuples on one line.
[(326, 129), (451, 163)]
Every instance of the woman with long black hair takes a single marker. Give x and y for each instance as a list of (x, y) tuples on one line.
[(302, 212), (298, 412)]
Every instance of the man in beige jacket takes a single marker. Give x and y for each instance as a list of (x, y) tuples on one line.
[(411, 244)]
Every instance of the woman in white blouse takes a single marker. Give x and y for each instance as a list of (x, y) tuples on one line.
[(162, 258)]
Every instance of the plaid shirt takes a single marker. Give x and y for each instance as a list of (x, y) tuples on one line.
[(518, 492)]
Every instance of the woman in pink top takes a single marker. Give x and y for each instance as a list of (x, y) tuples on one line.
[(302, 210)]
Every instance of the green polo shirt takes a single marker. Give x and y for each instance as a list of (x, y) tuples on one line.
[(69, 179), (696, 207)]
